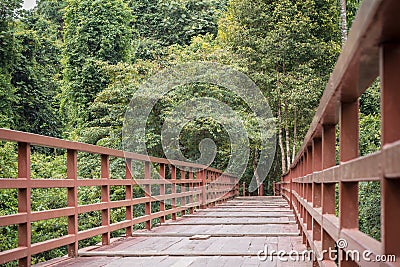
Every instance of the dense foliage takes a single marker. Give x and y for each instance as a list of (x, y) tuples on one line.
[(69, 69), (94, 32)]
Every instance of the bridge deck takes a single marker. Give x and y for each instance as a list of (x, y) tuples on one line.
[(231, 234)]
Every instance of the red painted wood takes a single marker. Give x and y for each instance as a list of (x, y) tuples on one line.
[(162, 192), (390, 107), (105, 198), (72, 198), (373, 42), (192, 190), (147, 193), (24, 201), (128, 196), (173, 190)]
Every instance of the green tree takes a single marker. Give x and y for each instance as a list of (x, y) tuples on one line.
[(94, 32), (290, 47), (36, 76), (108, 108), (53, 11), (8, 12), (159, 24)]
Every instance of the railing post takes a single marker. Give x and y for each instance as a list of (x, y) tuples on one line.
[(304, 194), (309, 197), (261, 190), (219, 187), (237, 186), (183, 190), (348, 191), (328, 202), (191, 210), (199, 188), (215, 187), (390, 186), (211, 187), (128, 196), (72, 173), (24, 201), (316, 186), (244, 189), (203, 174), (162, 191), (105, 199), (173, 191), (301, 192), (224, 196), (147, 192)]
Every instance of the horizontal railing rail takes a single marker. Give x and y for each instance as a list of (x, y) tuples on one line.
[(200, 186), (372, 50)]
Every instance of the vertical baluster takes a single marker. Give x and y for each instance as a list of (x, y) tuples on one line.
[(203, 189), (209, 188), (173, 200), (390, 108), (105, 198), (72, 199), (214, 187), (308, 192), (328, 189), (348, 191), (316, 187), (304, 194), (129, 196), (24, 201), (183, 190), (261, 189), (191, 210), (309, 189), (147, 192), (162, 191)]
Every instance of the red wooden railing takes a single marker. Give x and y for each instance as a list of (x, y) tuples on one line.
[(372, 50), (200, 187)]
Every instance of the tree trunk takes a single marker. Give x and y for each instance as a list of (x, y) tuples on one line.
[(280, 137), (343, 18), (294, 135), (255, 160), (287, 136)]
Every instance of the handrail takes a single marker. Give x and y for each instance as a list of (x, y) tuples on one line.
[(358, 64), (372, 50), (201, 186), (47, 141)]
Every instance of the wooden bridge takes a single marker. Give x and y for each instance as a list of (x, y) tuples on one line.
[(229, 234), (233, 230)]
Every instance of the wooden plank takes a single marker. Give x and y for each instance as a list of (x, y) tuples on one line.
[(238, 216), (172, 253), (199, 237), (258, 210), (234, 236), (229, 223), (178, 261), (214, 234)]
